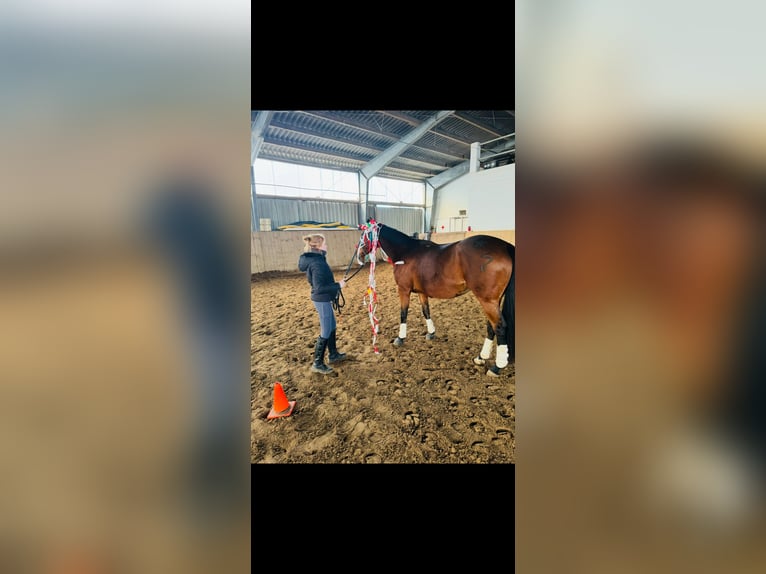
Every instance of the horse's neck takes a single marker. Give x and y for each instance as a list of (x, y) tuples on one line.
[(386, 247), (396, 246)]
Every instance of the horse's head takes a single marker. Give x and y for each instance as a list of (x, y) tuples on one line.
[(368, 241), (365, 245), (361, 252)]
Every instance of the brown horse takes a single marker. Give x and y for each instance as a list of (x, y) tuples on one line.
[(481, 264)]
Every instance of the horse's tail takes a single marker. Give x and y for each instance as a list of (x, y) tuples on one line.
[(509, 305)]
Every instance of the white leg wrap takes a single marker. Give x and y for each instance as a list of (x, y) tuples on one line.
[(501, 359), (402, 330), (431, 328), (486, 350)]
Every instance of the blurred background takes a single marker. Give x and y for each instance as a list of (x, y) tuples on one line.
[(641, 146), (641, 142), (123, 135)]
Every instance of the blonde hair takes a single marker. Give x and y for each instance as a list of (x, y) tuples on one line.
[(313, 241)]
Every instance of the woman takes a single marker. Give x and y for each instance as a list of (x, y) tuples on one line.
[(313, 262)]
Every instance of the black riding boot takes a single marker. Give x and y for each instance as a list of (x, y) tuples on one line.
[(319, 349), (335, 356)]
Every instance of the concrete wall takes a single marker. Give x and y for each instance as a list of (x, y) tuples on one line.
[(280, 250), (488, 197)]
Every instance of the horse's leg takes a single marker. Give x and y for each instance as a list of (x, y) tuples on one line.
[(501, 354), (497, 322), (404, 304), (427, 314), (486, 349), (506, 329)]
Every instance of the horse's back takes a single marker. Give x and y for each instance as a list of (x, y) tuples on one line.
[(486, 241), (487, 262), (487, 246)]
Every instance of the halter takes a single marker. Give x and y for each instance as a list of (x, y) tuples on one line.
[(370, 234), (371, 240)]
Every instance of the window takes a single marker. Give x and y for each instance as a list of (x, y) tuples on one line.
[(293, 180), (387, 190)]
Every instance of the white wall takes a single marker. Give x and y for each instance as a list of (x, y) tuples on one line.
[(488, 196)]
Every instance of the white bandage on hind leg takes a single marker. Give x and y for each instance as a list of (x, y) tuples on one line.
[(486, 350), (431, 328), (402, 330), (501, 360)]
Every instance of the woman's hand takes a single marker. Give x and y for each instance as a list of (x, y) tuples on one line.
[(342, 283)]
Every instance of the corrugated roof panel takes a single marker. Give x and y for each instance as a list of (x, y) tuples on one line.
[(396, 173), (284, 137), (410, 165), (462, 130), (338, 129), (434, 140), (371, 121), (498, 120), (377, 121), (279, 153), (420, 154), (344, 136), (347, 139), (421, 115), (399, 169)]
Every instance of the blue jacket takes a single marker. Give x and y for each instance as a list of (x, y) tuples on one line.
[(319, 275)]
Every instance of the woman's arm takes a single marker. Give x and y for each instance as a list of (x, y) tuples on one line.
[(327, 288)]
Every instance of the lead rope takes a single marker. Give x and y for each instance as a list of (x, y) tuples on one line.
[(359, 245), (371, 297), (340, 301)]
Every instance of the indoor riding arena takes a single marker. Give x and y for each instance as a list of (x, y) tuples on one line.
[(426, 401)]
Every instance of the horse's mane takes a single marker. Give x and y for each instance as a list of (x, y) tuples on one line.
[(402, 239)]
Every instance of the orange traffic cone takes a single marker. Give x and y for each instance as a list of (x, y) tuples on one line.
[(282, 407)]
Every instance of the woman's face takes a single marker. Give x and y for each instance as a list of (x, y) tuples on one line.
[(319, 243)]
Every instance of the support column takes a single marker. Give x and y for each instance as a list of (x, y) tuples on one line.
[(257, 129), (364, 198), (253, 205), (428, 212), (475, 154)]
